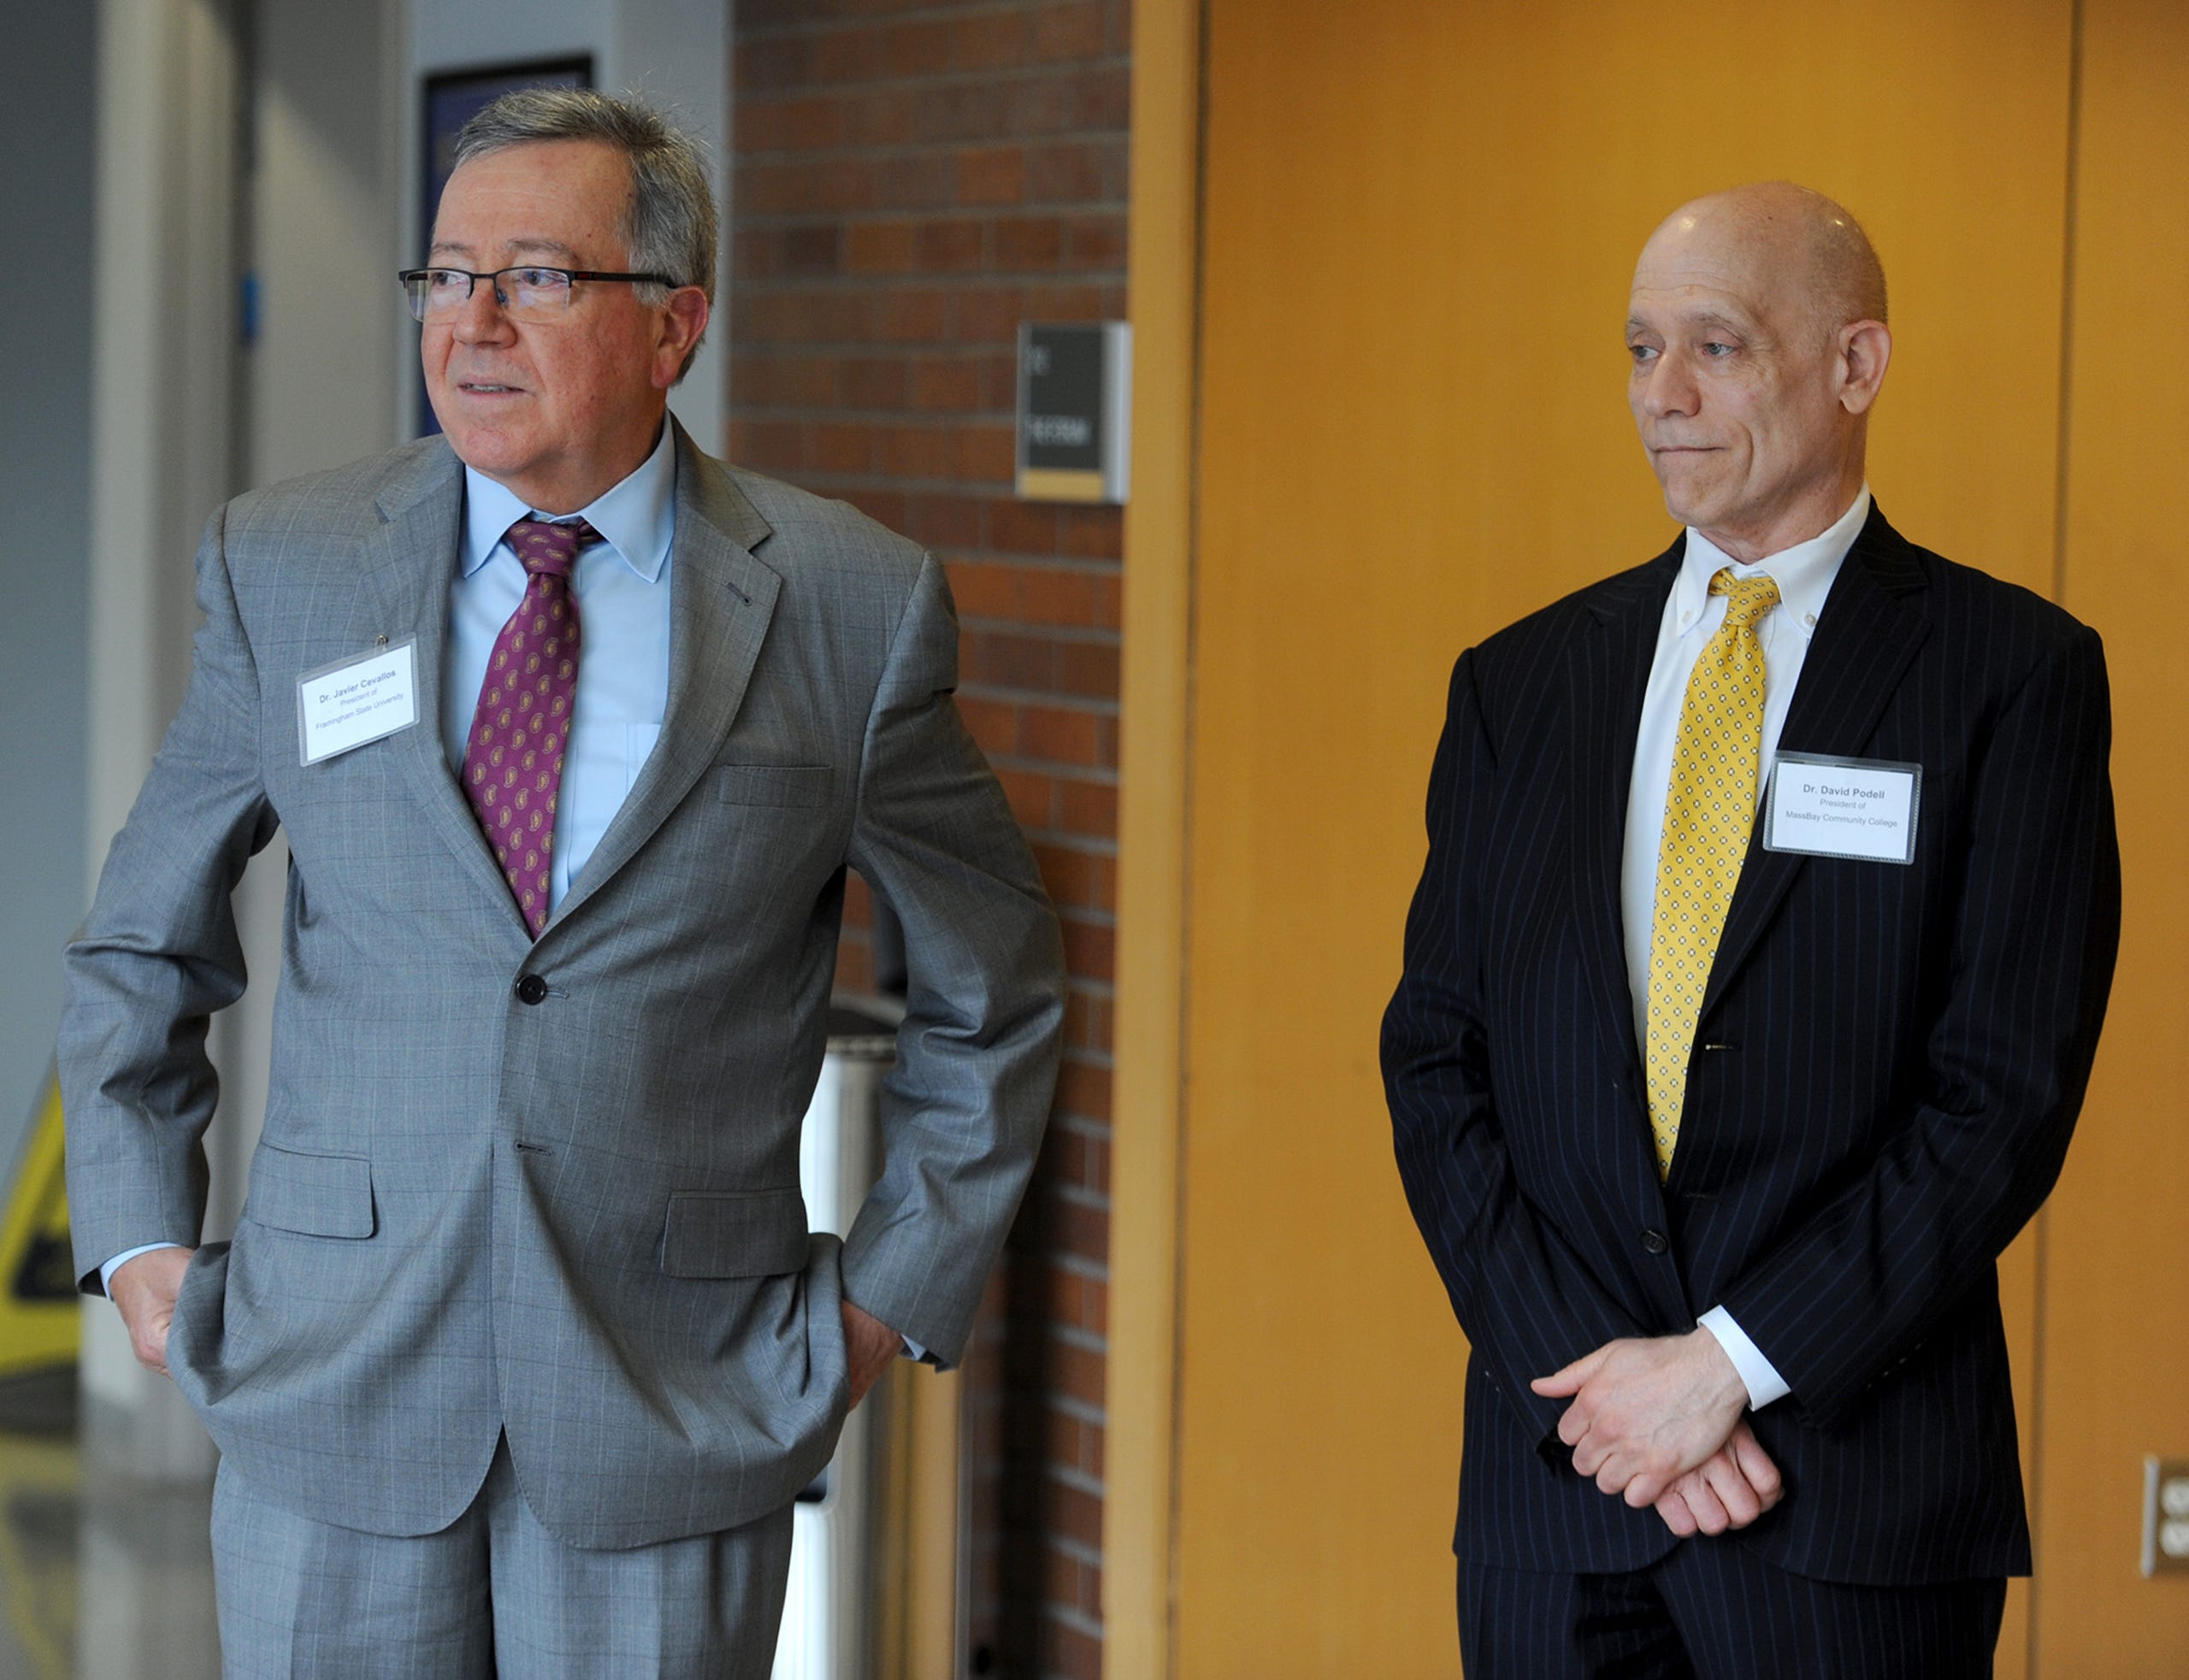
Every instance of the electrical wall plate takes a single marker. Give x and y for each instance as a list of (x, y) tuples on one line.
[(2165, 1516)]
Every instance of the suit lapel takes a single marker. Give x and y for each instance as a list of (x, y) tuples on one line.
[(1865, 639), (721, 602), (408, 567), (1606, 675)]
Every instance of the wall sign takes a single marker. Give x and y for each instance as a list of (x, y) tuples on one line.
[(1075, 411)]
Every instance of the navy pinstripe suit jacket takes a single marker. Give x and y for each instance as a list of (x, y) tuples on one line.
[(1887, 1066)]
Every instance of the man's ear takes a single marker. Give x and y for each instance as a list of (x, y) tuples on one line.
[(684, 320), (1864, 347)]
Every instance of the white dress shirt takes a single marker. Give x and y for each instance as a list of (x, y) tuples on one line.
[(1804, 574)]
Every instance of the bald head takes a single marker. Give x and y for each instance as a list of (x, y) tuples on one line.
[(1756, 330), (1812, 246)]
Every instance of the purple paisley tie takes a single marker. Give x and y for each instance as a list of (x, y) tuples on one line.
[(513, 759)]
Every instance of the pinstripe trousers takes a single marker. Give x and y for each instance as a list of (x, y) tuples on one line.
[(1712, 1610), (492, 1595)]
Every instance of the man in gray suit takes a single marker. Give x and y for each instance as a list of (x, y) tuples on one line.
[(523, 1349)]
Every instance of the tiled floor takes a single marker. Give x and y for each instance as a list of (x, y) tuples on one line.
[(99, 1579)]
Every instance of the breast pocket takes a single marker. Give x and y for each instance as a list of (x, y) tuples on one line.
[(791, 786)]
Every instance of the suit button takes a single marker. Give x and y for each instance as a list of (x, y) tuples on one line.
[(1653, 1242), (533, 989)]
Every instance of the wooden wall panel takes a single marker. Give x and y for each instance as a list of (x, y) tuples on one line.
[(2116, 1362), (1419, 222)]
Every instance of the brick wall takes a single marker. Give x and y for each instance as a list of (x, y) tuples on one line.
[(911, 182)]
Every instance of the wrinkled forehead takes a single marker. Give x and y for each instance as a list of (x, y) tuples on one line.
[(1699, 261)]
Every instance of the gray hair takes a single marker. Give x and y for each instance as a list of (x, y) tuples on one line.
[(669, 226)]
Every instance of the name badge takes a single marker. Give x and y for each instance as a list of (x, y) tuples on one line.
[(355, 701), (1862, 808)]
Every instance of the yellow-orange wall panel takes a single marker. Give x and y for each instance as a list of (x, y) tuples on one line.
[(2116, 1359)]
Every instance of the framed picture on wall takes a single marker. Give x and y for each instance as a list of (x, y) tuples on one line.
[(451, 99)]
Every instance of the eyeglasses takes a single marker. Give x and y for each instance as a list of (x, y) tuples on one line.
[(524, 294)]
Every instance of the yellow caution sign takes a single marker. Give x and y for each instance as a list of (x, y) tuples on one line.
[(41, 1319)]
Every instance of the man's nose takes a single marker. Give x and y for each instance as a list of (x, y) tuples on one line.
[(479, 317), (1668, 386)]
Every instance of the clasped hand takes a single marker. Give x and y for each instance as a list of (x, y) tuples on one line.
[(1659, 1421)]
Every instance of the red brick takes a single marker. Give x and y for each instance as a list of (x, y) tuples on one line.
[(1093, 532), (1059, 735), (948, 384), (1028, 242), (1000, 380), (971, 110), (766, 65), (840, 447), (1089, 668), (909, 317), (957, 245), (811, 249), (879, 116), (920, 180), (1006, 661), (1096, 242), (994, 723), (1068, 102), (878, 248), (984, 590), (1022, 527), (806, 186), (991, 175), (986, 452), (991, 41), (800, 317), (1067, 1654), (1070, 32), (771, 123), (875, 381), (766, 443), (993, 313), (1029, 795), (853, 54), (943, 521), (1088, 808), (1091, 951), (1079, 1513), (921, 49), (1077, 172), (1077, 1371), (1083, 1087), (782, 381), (914, 452)]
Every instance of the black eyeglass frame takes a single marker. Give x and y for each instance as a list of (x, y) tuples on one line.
[(501, 297)]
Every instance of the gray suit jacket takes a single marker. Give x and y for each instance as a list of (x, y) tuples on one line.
[(575, 1220)]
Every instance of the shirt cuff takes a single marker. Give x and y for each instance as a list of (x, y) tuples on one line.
[(114, 1265), (913, 1349), (1764, 1382)]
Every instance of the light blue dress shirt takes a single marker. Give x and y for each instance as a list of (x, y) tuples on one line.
[(622, 587)]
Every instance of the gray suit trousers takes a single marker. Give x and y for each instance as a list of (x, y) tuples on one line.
[(493, 1595)]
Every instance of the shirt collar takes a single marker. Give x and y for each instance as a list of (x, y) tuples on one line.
[(1803, 572), (636, 517)]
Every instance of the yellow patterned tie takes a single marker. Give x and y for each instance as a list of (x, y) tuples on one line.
[(1709, 810)]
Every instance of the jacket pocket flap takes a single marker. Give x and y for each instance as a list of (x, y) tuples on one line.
[(801, 785), (757, 1233), (318, 1195)]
